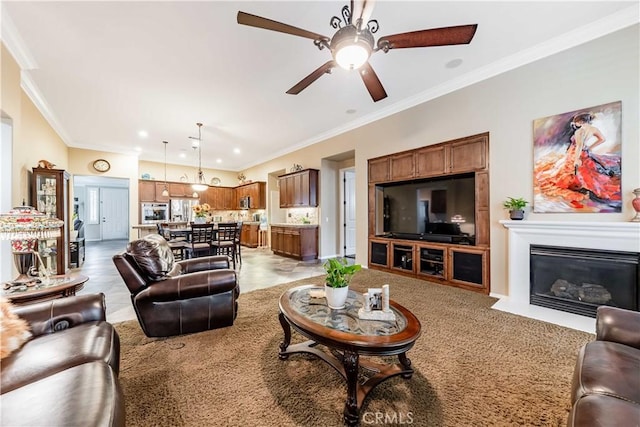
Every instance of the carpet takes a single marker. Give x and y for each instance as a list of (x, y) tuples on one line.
[(474, 366)]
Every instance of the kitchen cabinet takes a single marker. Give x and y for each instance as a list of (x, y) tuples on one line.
[(249, 234), (299, 189), (299, 242), (50, 196), (146, 191), (256, 191), (160, 186), (402, 166)]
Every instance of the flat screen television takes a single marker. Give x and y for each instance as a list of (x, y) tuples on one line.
[(439, 210)]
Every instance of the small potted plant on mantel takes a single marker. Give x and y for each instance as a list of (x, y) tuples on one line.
[(515, 207), (336, 287)]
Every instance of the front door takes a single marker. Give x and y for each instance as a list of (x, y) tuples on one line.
[(114, 206)]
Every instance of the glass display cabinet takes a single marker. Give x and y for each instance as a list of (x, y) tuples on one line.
[(50, 195)]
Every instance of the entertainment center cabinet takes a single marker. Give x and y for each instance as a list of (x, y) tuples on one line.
[(461, 259)]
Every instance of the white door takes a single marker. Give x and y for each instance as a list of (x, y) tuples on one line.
[(349, 213), (114, 207)]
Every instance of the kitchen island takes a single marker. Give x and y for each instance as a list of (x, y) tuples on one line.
[(299, 241)]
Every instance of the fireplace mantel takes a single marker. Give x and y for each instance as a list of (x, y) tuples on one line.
[(615, 236)]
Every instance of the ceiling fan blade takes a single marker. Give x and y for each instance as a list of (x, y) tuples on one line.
[(319, 72), (268, 24), (372, 82), (434, 37)]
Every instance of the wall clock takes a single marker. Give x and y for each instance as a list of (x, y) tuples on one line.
[(101, 165)]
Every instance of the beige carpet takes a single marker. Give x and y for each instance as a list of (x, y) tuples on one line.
[(474, 366)]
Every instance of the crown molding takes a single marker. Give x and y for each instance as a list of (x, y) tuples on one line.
[(14, 43), (31, 89), (604, 26)]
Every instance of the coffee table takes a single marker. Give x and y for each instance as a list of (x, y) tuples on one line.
[(57, 287), (346, 338)]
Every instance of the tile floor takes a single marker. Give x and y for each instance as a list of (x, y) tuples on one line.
[(259, 269)]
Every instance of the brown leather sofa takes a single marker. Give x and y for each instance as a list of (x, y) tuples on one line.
[(606, 379), (177, 297), (67, 373)]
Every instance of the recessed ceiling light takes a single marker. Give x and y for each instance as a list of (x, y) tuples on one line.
[(218, 160), (351, 111), (138, 149), (182, 155), (454, 63), (143, 134), (236, 150)]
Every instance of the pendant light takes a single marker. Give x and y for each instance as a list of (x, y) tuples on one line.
[(200, 185), (165, 191)]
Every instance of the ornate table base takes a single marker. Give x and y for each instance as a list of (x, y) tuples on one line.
[(347, 364)]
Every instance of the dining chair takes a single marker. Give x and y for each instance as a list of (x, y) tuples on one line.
[(238, 239), (225, 242), (201, 240)]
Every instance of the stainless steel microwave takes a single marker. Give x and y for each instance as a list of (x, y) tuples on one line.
[(245, 202)]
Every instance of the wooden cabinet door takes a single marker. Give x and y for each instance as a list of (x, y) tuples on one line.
[(290, 192), (402, 166), (469, 155), (276, 239), (298, 190), (308, 243), (147, 191), (468, 267), (177, 190), (379, 170), (431, 161), (160, 186)]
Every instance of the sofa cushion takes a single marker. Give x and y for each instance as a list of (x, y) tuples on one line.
[(607, 368), (153, 255), (52, 353), (14, 331), (597, 410), (83, 395)]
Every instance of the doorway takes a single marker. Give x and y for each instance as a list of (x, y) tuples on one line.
[(348, 213), (102, 204)]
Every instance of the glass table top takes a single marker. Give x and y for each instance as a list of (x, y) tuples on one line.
[(346, 319), (36, 284)]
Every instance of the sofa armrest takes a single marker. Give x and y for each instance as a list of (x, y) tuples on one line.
[(192, 285), (618, 325), (48, 317), (214, 262)]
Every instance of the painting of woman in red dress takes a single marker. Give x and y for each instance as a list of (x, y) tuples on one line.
[(577, 161)]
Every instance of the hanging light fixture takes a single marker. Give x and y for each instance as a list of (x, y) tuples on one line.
[(165, 191), (201, 184)]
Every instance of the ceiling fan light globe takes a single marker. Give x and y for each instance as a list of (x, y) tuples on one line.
[(352, 56)]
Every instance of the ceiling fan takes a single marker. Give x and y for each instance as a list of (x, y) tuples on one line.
[(353, 43)]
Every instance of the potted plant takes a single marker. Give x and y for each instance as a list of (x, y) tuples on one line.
[(336, 287), (515, 207)]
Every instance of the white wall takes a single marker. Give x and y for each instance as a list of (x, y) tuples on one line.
[(6, 142)]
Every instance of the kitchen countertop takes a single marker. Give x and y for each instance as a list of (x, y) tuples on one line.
[(283, 224)]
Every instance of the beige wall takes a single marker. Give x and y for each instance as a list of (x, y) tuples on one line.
[(175, 172), (33, 138)]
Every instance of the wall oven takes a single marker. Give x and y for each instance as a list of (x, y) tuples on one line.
[(152, 213)]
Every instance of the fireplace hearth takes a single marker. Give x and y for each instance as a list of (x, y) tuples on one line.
[(579, 280), (616, 236)]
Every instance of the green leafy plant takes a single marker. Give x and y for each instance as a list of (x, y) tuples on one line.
[(515, 204), (339, 272)]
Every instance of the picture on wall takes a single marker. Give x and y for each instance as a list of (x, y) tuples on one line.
[(577, 161)]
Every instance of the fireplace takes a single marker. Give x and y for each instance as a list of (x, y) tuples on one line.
[(579, 280), (615, 236)]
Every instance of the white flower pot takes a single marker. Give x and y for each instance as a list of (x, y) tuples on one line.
[(336, 297)]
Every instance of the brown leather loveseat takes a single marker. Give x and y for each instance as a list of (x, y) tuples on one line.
[(66, 374), (177, 297), (606, 379)]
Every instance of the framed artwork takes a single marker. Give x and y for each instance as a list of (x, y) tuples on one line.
[(577, 161)]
